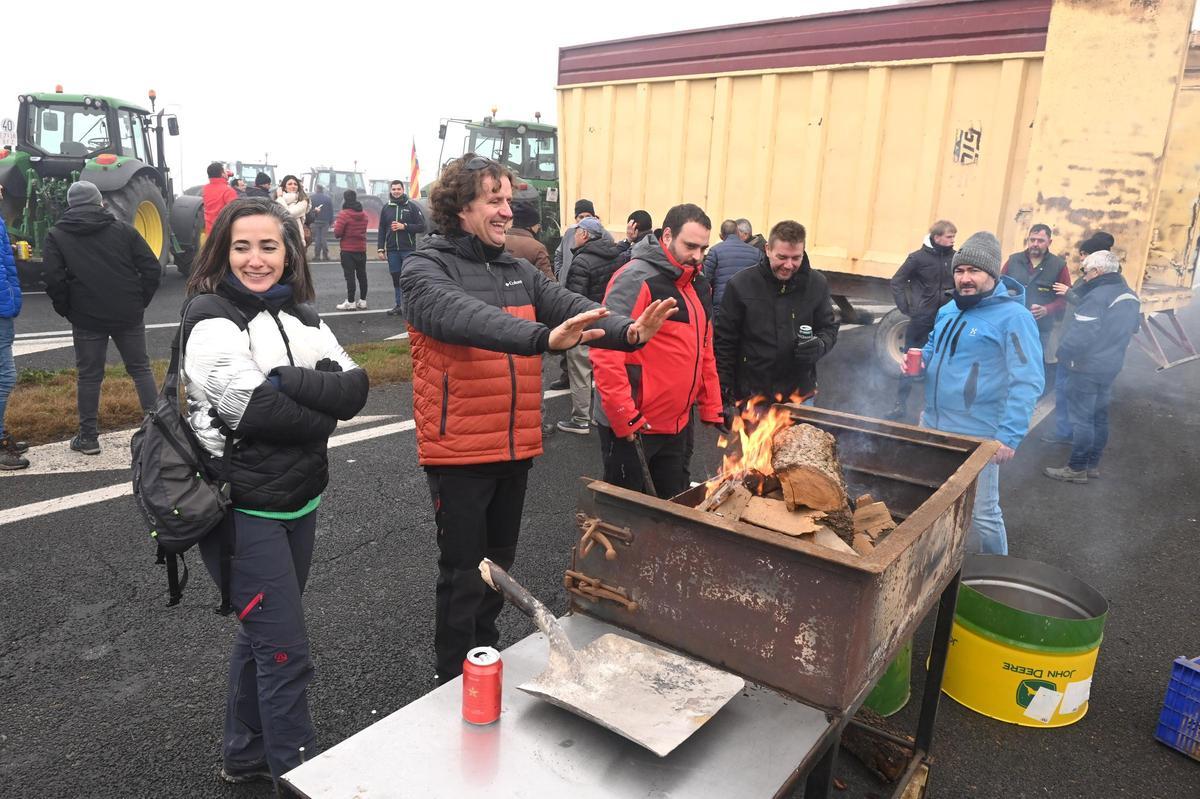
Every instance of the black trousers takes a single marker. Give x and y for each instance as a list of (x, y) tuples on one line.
[(355, 264), (915, 335), (668, 456), (478, 514)]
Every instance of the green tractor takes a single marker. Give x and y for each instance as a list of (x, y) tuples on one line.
[(530, 149), (62, 138)]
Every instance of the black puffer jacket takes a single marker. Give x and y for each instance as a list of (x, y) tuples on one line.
[(757, 326), (920, 284), (253, 362), (100, 273), (592, 268)]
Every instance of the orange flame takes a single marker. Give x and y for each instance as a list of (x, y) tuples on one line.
[(754, 431)]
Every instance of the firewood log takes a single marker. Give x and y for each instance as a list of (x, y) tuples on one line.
[(805, 461)]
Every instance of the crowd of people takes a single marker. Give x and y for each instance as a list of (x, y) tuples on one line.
[(658, 333)]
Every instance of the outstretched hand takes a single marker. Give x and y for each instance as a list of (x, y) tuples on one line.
[(652, 318), (574, 331)]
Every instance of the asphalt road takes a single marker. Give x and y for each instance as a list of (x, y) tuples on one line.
[(104, 692)]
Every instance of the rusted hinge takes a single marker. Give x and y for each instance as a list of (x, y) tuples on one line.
[(591, 589), (602, 533)]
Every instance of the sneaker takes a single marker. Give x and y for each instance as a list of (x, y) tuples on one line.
[(238, 773), (362, 304), (348, 305), (548, 430), (1093, 474), (1054, 438), (1066, 474), (15, 447), (395, 310), (88, 446), (572, 426), (560, 384), (11, 461)]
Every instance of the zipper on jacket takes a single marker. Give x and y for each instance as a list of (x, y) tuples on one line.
[(699, 347), (445, 402), (971, 388), (512, 410), (941, 360)]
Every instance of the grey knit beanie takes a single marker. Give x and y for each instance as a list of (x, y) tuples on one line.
[(981, 250), (83, 193)]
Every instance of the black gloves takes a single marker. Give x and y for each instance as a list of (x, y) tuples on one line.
[(219, 423), (327, 365), (809, 350)]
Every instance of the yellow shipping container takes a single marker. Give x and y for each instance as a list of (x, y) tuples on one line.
[(867, 126)]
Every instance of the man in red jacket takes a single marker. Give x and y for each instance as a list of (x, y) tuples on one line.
[(217, 194), (646, 396)]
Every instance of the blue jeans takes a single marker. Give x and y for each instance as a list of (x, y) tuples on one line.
[(8, 368), (396, 266), (1062, 417), (1088, 400), (987, 534)]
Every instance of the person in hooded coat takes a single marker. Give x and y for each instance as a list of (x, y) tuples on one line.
[(350, 228), (100, 275)]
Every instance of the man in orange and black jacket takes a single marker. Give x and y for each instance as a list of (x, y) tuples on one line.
[(478, 320), (646, 397)]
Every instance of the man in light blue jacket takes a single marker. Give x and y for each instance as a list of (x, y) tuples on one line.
[(10, 305), (984, 362)]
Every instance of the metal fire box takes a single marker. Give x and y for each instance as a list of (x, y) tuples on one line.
[(809, 621)]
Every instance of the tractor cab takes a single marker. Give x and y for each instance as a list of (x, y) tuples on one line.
[(529, 149), (337, 182), (249, 172)]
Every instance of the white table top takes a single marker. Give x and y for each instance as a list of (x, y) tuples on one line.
[(425, 749)]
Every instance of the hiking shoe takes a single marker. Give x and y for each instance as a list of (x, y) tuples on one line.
[(362, 304), (1054, 438), (560, 384), (88, 446), (348, 305), (897, 413), (572, 426), (1066, 474), (15, 447), (395, 310), (11, 461), (1093, 474), (238, 773), (548, 430)]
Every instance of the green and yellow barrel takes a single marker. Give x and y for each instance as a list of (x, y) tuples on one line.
[(1024, 642)]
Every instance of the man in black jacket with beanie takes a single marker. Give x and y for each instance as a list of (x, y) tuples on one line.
[(101, 275)]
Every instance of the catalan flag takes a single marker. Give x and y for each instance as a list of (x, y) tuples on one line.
[(414, 178)]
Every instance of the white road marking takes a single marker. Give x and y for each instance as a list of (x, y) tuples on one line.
[(397, 337), (1044, 408), (163, 325), (125, 488), (40, 345)]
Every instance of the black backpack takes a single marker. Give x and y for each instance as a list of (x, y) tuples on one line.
[(175, 493)]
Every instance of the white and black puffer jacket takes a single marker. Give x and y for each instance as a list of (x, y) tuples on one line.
[(254, 364)]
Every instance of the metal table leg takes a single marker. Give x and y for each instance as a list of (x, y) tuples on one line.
[(820, 779)]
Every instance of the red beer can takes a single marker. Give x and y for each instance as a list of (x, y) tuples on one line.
[(912, 362), (482, 678)]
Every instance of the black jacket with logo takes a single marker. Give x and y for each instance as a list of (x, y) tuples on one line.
[(407, 212), (756, 331)]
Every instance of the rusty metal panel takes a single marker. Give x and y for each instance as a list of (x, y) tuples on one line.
[(813, 623)]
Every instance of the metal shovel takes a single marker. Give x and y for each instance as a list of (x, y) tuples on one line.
[(652, 697)]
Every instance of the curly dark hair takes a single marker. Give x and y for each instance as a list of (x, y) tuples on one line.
[(457, 186), (212, 263)]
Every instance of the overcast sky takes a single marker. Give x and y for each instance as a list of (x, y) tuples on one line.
[(356, 84)]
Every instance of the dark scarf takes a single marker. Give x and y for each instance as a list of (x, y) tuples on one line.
[(966, 303), (272, 299), (474, 249)]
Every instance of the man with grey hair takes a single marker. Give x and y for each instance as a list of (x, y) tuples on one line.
[(745, 232), (730, 256), (1093, 350)]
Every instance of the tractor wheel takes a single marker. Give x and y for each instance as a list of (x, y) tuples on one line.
[(889, 342), (141, 204), (187, 223)]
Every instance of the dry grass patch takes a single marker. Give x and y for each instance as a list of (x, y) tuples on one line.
[(42, 406)]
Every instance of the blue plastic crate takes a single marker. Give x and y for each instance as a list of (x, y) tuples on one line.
[(1179, 724)]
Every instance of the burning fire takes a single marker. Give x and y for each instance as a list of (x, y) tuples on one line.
[(752, 433)]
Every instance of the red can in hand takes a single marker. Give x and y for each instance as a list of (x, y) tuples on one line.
[(912, 362), (482, 680)]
